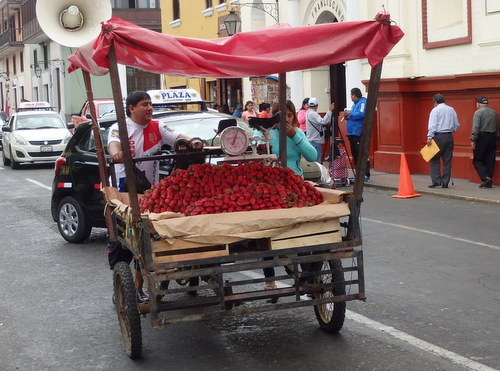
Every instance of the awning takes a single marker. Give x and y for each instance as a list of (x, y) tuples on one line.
[(279, 49)]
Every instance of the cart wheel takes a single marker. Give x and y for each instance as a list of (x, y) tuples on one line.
[(331, 315), (126, 307)]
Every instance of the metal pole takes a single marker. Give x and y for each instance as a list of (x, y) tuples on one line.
[(122, 129), (101, 157), (282, 124), (366, 135)]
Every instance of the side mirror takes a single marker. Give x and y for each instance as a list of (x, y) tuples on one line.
[(70, 125)]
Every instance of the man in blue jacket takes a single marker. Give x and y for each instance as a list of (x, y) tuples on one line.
[(355, 118)]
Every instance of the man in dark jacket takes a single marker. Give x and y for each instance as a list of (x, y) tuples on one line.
[(355, 118), (485, 131)]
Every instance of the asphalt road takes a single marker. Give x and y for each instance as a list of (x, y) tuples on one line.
[(432, 282)]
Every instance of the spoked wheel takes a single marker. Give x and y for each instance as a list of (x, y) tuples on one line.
[(331, 315), (126, 307)]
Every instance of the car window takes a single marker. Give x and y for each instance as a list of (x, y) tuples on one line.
[(33, 122), (103, 108), (199, 124), (87, 142)]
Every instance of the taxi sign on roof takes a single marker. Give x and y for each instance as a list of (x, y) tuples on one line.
[(34, 105), (174, 96)]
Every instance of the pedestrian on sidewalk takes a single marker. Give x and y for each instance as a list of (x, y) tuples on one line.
[(443, 122), (485, 131), (315, 126), (355, 118)]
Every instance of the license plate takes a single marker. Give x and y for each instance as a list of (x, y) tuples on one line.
[(46, 149)]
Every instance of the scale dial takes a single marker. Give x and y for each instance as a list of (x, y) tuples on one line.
[(234, 141)]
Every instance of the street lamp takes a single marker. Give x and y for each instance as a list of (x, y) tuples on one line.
[(232, 23), (38, 71), (272, 9), (57, 63)]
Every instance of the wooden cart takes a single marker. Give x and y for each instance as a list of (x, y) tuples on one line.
[(318, 261)]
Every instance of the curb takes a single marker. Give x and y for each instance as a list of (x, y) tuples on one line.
[(443, 195)]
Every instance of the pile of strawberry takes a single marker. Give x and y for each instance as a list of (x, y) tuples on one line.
[(210, 189)]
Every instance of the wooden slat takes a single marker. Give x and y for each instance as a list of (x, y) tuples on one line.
[(306, 241), (163, 245), (307, 234), (306, 229), (190, 256)]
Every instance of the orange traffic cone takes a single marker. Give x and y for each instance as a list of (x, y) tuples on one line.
[(406, 189)]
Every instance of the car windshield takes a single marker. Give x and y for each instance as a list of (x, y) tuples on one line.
[(200, 124), (34, 122), (104, 108), (191, 123)]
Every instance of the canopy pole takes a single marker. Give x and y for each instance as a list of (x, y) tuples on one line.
[(282, 124), (366, 135), (99, 149), (123, 133)]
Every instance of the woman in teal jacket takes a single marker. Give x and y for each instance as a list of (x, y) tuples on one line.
[(297, 144)]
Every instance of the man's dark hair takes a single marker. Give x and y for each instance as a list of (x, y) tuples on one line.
[(134, 98), (438, 98), (356, 92)]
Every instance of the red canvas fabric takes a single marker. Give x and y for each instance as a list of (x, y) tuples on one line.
[(258, 53)]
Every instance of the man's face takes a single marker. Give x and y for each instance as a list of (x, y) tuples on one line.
[(142, 113), (354, 98)]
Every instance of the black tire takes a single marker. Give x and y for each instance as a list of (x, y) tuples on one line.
[(13, 163), (331, 315), (127, 310), (71, 220), (6, 161)]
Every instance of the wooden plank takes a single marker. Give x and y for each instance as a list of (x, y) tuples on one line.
[(163, 245), (307, 229), (190, 256), (306, 241)]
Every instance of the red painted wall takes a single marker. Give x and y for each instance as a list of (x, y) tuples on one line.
[(402, 115)]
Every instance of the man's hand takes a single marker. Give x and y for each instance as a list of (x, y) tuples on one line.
[(118, 157), (473, 145), (429, 142)]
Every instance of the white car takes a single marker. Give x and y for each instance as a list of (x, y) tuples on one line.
[(35, 133)]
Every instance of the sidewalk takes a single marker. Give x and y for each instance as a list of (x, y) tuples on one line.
[(460, 189)]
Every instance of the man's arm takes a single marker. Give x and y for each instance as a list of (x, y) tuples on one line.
[(115, 151), (358, 111)]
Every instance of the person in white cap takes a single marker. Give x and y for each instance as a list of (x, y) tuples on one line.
[(315, 125)]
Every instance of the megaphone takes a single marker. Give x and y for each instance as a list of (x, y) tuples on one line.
[(72, 23)]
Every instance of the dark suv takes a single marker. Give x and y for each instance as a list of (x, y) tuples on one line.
[(77, 203)]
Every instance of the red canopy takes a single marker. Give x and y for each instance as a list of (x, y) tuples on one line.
[(256, 53)]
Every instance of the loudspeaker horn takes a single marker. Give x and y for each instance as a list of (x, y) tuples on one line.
[(72, 23)]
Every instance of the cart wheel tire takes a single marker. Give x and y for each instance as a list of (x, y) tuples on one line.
[(71, 221), (13, 163), (6, 161), (127, 310), (331, 315)]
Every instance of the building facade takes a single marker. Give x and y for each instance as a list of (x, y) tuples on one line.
[(450, 47), (33, 67)]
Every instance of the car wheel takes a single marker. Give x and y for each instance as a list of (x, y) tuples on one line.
[(6, 161), (13, 163), (71, 221)]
